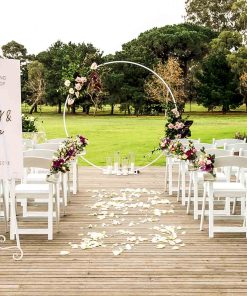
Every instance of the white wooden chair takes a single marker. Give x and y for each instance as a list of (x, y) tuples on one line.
[(40, 177), (222, 142), (183, 170), (49, 191), (196, 181), (227, 190), (171, 163), (236, 147)]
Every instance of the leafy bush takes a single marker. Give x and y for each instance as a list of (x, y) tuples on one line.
[(28, 123)]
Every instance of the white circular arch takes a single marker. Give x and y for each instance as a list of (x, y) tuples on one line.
[(122, 62)]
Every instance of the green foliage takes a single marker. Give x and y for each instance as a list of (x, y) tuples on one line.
[(28, 123), (219, 15), (217, 85)]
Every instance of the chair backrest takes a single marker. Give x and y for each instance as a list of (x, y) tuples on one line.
[(230, 161), (37, 162), (242, 152), (220, 152), (39, 153), (199, 146), (222, 142), (235, 147), (186, 141), (57, 140), (47, 146), (27, 143)]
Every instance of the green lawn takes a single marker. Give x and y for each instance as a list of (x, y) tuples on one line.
[(140, 135)]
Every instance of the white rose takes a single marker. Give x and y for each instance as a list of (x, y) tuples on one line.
[(94, 66), (209, 161), (71, 91), (67, 83)]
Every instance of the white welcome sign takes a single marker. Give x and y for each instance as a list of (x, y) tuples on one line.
[(11, 155)]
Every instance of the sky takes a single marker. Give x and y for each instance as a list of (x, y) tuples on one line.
[(107, 24)]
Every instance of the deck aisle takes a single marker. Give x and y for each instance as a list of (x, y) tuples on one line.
[(202, 267)]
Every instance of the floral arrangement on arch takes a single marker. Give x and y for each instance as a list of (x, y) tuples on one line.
[(67, 151), (176, 127), (89, 84)]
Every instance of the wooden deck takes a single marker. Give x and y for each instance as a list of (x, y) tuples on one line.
[(202, 267)]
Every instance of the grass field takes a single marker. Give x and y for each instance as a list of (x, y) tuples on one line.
[(140, 135)]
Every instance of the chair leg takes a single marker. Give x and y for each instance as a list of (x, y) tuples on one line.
[(189, 194), (74, 177), (183, 186), (5, 214), (211, 215), (203, 207), (13, 219), (196, 211), (50, 215), (179, 183), (170, 178), (57, 202), (65, 189), (166, 174), (234, 206)]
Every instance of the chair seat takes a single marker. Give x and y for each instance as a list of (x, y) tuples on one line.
[(36, 178), (229, 189), (221, 177), (32, 189)]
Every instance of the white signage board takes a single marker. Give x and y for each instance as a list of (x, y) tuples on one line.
[(11, 153)]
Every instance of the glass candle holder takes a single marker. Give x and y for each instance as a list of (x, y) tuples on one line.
[(125, 166), (109, 165), (116, 162), (131, 162)]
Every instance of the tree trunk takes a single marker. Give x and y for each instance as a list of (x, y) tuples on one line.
[(112, 109), (128, 109), (87, 108), (73, 109), (33, 108), (59, 110)]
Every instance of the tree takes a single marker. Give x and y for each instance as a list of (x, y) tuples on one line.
[(172, 73), (243, 87), (219, 15), (217, 84), (35, 83), (61, 62)]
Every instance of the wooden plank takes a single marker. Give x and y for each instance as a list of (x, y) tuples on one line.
[(202, 267)]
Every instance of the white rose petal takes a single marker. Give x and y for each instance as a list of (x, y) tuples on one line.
[(160, 246), (64, 253)]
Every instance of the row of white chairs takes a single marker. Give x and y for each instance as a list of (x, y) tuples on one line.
[(35, 188), (228, 165)]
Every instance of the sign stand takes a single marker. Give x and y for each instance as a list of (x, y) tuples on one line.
[(11, 154)]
